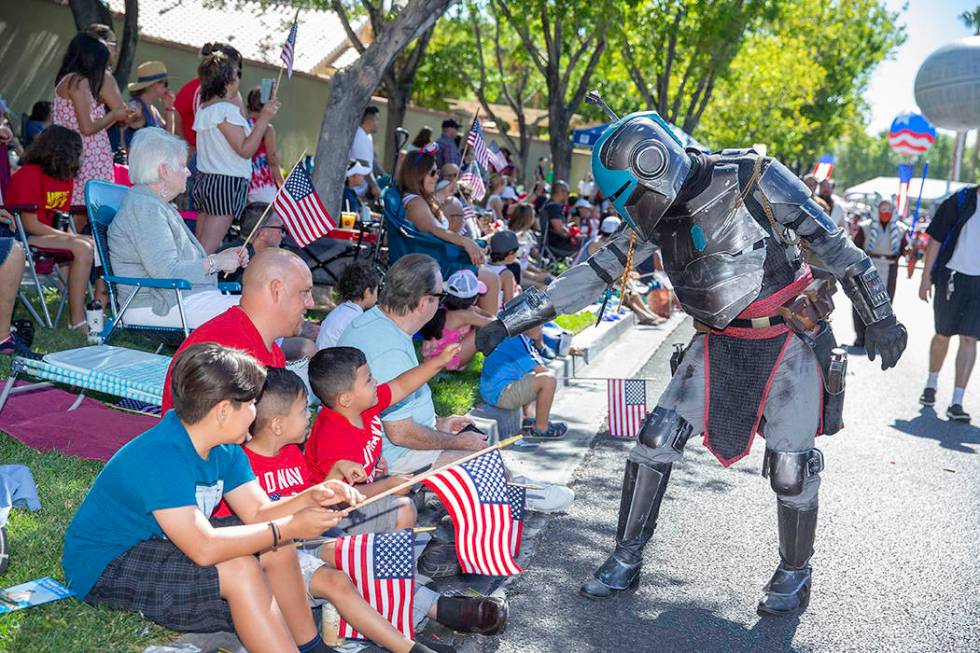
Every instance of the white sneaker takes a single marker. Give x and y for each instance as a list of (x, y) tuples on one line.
[(550, 498)]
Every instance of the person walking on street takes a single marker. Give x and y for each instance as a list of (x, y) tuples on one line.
[(884, 238), (952, 265)]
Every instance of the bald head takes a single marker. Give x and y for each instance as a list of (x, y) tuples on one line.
[(273, 264), (277, 290)]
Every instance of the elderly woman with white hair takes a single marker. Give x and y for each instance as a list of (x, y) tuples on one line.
[(148, 238)]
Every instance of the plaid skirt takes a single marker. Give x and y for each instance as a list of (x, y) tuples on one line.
[(157, 580)]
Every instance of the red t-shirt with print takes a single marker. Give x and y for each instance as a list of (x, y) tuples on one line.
[(335, 438), (234, 329), (281, 476), (30, 185)]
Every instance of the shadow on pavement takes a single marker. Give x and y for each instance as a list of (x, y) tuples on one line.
[(950, 435)]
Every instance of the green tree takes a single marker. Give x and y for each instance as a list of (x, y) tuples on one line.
[(861, 156), (674, 51), (564, 40), (796, 84)]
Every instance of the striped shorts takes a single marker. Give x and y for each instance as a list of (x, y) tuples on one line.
[(220, 194)]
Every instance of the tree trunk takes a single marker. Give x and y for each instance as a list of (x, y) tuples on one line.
[(561, 143), (351, 89), (398, 95), (88, 12), (127, 46)]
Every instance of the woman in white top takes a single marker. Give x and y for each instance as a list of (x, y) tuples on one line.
[(417, 184), (225, 146), (495, 201)]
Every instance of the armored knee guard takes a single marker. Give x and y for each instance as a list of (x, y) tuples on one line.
[(664, 428), (788, 591), (643, 492)]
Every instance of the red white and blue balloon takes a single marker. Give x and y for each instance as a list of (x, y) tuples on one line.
[(911, 134)]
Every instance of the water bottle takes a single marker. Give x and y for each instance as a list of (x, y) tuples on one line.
[(330, 625), (95, 319)]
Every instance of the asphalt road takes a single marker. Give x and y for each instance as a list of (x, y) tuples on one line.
[(897, 562)]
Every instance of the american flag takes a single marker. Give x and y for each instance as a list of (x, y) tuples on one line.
[(301, 210), (518, 500), (468, 212), (497, 158), (475, 494), (825, 166), (289, 50), (904, 179), (476, 143), (381, 566), (474, 180), (627, 406)]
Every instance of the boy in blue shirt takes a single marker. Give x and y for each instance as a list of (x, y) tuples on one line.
[(142, 541), (514, 376)]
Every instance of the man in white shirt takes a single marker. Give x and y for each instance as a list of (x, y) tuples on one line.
[(835, 202), (362, 149), (952, 264)]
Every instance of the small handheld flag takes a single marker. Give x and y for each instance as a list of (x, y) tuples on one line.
[(824, 167), (476, 142), (475, 495), (289, 50), (627, 406), (473, 178), (518, 502), (497, 158), (301, 210), (382, 567)]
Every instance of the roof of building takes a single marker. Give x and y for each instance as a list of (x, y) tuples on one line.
[(257, 29)]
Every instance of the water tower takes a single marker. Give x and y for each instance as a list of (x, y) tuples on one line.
[(947, 90)]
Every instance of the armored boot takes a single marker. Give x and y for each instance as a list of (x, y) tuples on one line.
[(643, 490), (788, 591)]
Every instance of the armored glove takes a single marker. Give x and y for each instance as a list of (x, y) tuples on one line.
[(489, 336), (887, 338)]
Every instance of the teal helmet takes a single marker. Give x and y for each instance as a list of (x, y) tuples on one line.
[(640, 165)]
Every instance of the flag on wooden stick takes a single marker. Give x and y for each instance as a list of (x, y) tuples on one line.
[(473, 179), (301, 210), (627, 406), (478, 144), (475, 495), (382, 567), (289, 50)]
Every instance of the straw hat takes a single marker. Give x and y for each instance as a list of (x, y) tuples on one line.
[(148, 74)]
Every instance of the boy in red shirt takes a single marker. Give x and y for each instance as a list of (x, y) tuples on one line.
[(346, 439), (281, 424)]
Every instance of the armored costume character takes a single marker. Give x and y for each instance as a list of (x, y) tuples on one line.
[(731, 227)]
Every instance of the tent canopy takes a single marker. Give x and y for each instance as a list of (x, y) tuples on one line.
[(934, 189)]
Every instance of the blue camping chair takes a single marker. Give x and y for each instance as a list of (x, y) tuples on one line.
[(405, 238), (102, 200)]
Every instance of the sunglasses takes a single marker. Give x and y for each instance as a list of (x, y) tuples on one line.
[(280, 228), (433, 173), (441, 296)]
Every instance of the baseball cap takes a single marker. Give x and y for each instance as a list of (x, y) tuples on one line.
[(464, 284), (357, 168), (610, 225), (503, 241), (583, 203)]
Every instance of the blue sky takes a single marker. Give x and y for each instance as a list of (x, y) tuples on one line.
[(929, 24)]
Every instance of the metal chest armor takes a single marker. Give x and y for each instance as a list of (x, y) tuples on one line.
[(713, 249)]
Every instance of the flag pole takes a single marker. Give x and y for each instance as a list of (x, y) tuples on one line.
[(910, 250), (282, 66), (270, 205), (317, 541), (421, 477)]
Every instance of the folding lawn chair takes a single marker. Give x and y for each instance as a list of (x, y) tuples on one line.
[(103, 200), (44, 270)]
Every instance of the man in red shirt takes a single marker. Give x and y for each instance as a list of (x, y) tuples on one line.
[(277, 290)]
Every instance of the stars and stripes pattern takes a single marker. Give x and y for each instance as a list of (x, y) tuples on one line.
[(289, 51), (627, 406), (476, 142), (468, 212), (474, 180), (904, 179), (497, 158), (824, 167), (301, 210), (475, 495), (518, 502), (381, 567)]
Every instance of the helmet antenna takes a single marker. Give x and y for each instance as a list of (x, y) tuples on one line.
[(593, 97)]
